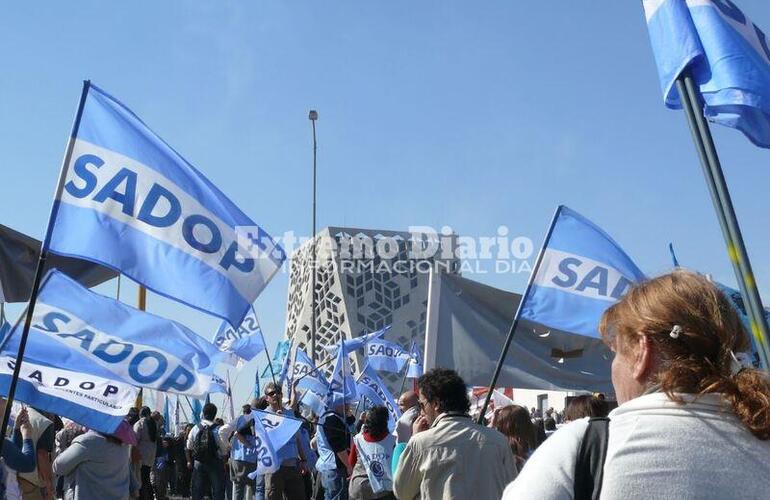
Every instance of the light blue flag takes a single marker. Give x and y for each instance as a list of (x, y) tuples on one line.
[(342, 385), (279, 357), (386, 356), (370, 386), (582, 273), (415, 363), (275, 431), (51, 379), (245, 342), (285, 366), (358, 342), (136, 347), (737, 299), (218, 385), (132, 203), (5, 327), (309, 377), (727, 55), (197, 410)]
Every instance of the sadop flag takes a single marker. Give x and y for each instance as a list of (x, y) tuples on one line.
[(64, 381), (132, 203), (414, 369), (137, 347), (356, 343), (386, 356), (582, 273), (309, 378), (273, 432), (371, 386), (197, 409), (726, 54), (245, 342)]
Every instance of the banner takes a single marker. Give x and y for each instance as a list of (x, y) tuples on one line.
[(245, 342), (309, 377), (727, 55), (386, 356), (414, 369), (19, 254), (134, 346), (370, 386), (132, 203), (582, 273), (95, 402)]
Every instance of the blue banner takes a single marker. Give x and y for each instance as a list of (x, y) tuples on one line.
[(132, 203), (386, 356), (309, 377), (129, 345), (415, 363), (356, 343), (370, 386), (582, 273), (245, 342), (726, 54)]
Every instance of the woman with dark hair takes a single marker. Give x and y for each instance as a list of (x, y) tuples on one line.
[(514, 423), (370, 458), (586, 405), (147, 434), (694, 416)]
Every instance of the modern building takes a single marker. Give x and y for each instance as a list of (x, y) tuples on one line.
[(365, 280)]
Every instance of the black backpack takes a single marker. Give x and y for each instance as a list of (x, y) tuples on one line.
[(205, 449), (589, 468)]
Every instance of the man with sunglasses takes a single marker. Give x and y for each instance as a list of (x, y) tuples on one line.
[(286, 482), (450, 456)]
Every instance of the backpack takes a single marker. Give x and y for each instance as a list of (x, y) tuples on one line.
[(589, 468), (205, 449)]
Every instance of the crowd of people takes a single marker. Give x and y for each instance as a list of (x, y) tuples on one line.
[(682, 388)]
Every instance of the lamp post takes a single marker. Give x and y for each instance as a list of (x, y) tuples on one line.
[(313, 116)]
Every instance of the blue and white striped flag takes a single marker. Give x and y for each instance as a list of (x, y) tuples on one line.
[(582, 273), (272, 432), (342, 385), (371, 386), (132, 203), (727, 55), (136, 347), (386, 356), (244, 342), (356, 343)]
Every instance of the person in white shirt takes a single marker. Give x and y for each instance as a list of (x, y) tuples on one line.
[(204, 456), (693, 420)]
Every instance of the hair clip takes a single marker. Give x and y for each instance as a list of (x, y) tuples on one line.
[(676, 331)]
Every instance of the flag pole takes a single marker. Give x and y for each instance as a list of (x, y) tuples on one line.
[(313, 116), (270, 365), (720, 196), (42, 260), (516, 316), (406, 370)]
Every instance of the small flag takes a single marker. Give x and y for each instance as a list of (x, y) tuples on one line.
[(277, 361), (357, 342), (245, 342), (386, 356), (582, 273), (727, 55), (342, 385), (414, 369)]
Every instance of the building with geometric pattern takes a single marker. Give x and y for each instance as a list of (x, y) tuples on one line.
[(365, 280)]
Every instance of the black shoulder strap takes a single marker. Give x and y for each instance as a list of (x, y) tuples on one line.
[(589, 468)]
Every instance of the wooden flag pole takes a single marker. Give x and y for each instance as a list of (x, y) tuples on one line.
[(42, 260)]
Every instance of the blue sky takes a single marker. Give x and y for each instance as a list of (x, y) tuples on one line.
[(472, 115)]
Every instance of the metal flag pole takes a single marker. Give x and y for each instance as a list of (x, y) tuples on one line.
[(42, 260), (516, 316), (270, 365), (692, 103), (313, 116)]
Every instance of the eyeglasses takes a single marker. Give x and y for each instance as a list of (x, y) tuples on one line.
[(271, 393)]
